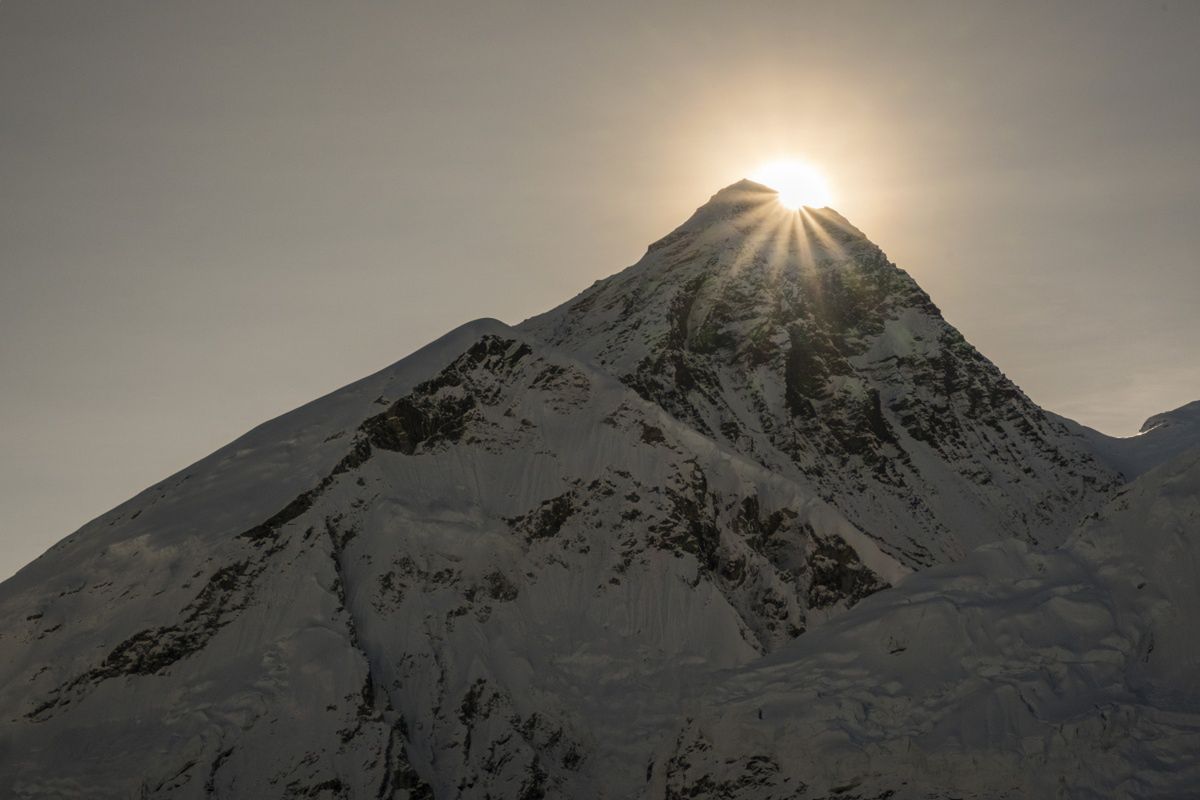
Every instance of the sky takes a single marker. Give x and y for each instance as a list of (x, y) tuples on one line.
[(212, 212)]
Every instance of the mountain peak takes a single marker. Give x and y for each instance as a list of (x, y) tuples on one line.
[(789, 337), (747, 190), (746, 195), (736, 200), (746, 222), (743, 188)]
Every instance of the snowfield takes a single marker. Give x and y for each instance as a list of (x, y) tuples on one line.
[(746, 520), (1014, 673)]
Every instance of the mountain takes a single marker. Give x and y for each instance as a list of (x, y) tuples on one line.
[(790, 338), (536, 561)]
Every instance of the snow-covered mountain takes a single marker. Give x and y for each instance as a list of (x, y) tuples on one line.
[(564, 560)]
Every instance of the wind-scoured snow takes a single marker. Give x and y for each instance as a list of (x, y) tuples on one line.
[(658, 542)]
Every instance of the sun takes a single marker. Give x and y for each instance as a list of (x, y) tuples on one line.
[(798, 183)]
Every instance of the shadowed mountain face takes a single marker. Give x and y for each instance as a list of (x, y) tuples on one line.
[(791, 339), (512, 564)]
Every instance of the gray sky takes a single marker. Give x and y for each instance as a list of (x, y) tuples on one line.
[(211, 212)]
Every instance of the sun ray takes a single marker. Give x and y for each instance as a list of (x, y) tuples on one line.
[(757, 220), (827, 242)]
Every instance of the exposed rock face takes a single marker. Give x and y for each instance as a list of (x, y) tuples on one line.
[(512, 564), (791, 339)]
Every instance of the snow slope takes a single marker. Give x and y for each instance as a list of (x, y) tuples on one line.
[(1072, 672)]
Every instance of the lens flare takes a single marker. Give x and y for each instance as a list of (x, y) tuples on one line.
[(799, 184)]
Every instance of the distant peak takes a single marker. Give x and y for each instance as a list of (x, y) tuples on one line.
[(1188, 414)]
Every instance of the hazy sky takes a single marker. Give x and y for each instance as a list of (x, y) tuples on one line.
[(211, 212)]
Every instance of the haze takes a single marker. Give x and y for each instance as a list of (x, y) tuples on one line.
[(213, 212)]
